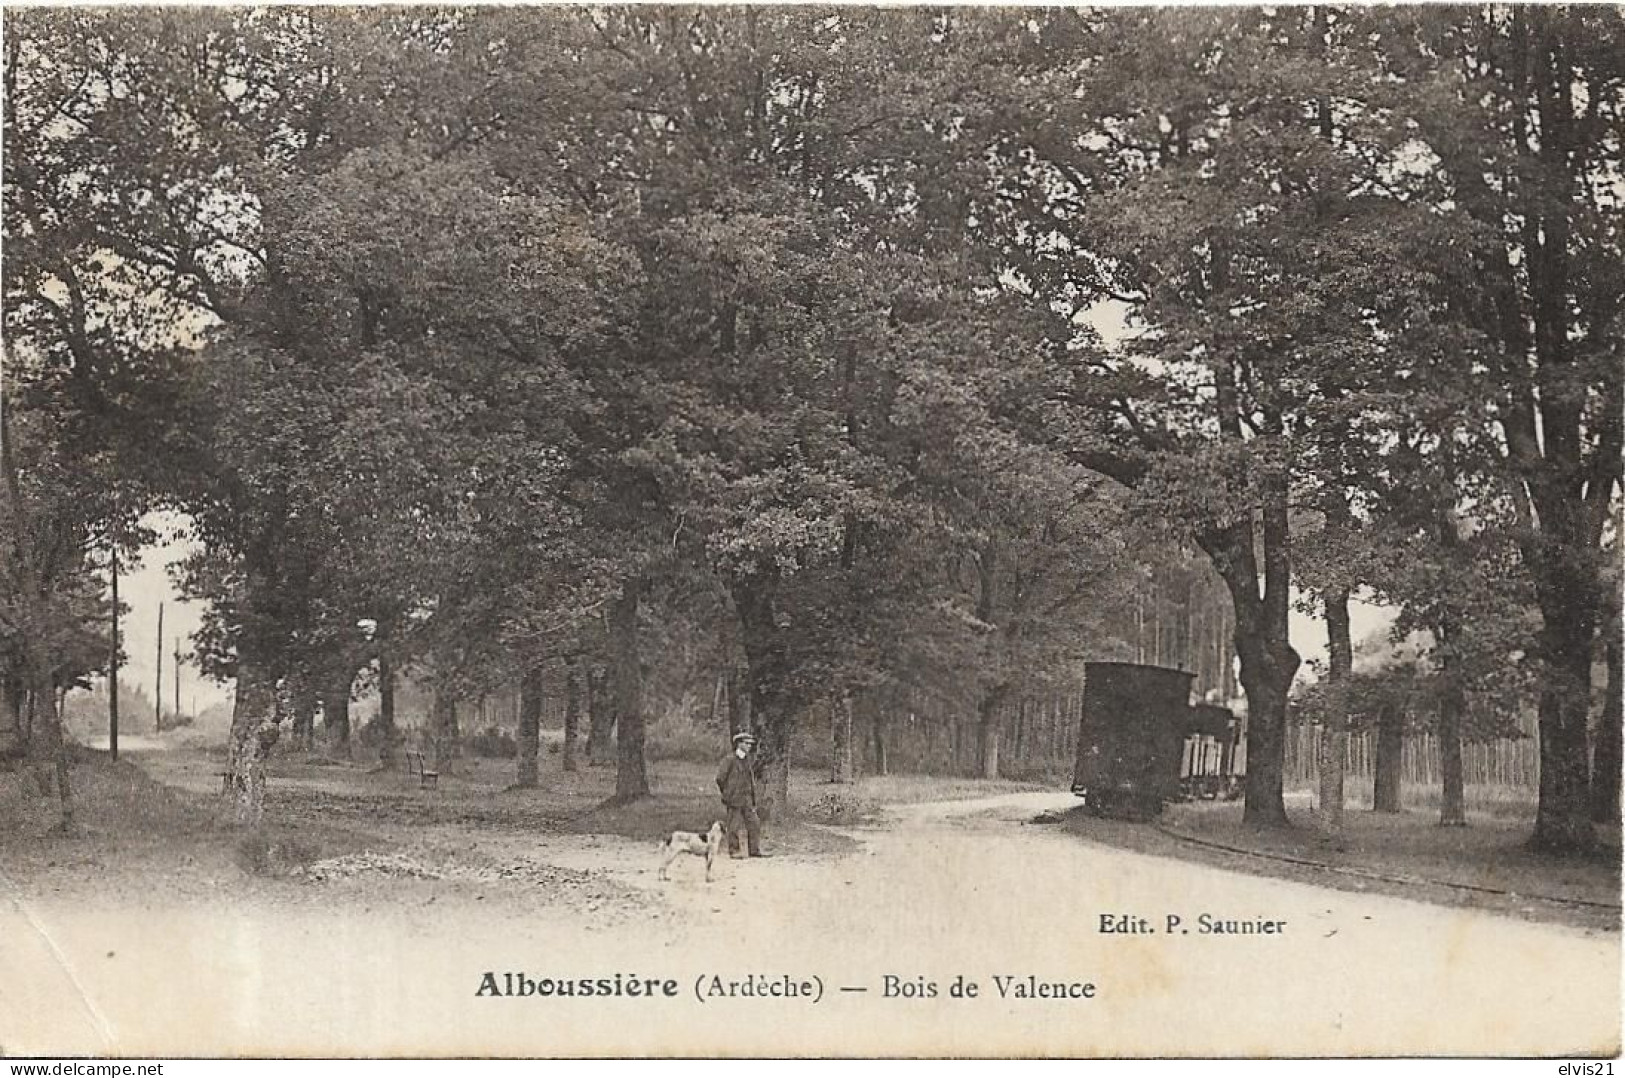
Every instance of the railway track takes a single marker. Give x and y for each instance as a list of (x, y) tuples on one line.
[(1385, 877)]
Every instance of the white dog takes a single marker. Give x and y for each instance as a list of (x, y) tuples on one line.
[(708, 846)]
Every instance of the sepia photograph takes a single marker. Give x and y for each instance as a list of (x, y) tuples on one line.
[(812, 532)]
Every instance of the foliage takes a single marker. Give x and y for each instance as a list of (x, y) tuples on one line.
[(672, 341), (1414, 690), (493, 742)]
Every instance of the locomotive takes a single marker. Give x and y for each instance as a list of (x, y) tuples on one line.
[(1142, 743)]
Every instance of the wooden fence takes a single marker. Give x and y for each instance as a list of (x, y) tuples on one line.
[(1502, 762), (1042, 738), (1039, 740)]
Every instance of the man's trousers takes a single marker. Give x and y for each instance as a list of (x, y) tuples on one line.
[(744, 817)]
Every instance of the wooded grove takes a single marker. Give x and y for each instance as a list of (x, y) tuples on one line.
[(866, 369)]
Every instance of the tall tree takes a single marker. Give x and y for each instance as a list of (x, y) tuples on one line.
[(1519, 109), (1253, 259)]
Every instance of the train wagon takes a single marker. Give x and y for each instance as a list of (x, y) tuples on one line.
[(1131, 738), (1142, 743), (1210, 763)]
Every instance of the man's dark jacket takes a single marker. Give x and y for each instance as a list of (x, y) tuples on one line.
[(736, 782)]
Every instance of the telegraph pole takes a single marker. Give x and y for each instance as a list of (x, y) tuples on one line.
[(177, 677), (158, 696)]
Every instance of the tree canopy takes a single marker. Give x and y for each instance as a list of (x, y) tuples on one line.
[(885, 348)]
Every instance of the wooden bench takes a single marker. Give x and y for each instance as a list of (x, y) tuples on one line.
[(429, 779)]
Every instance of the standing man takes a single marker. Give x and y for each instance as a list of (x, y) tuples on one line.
[(738, 786)]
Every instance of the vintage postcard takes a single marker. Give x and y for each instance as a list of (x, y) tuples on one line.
[(794, 531)]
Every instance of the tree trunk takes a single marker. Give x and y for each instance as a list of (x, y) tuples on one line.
[(30, 592), (626, 673), (38, 756), (738, 700), (989, 713), (1265, 686), (1334, 731), (840, 766), (304, 714), (773, 760), (1567, 592), (572, 716), (1021, 730), (1563, 817), (530, 726), (1268, 660), (443, 721), (1605, 765), (877, 735), (45, 717), (389, 735), (1453, 697), (55, 751), (1566, 452), (772, 712), (600, 720), (1452, 704), (254, 731), (33, 597), (336, 712), (12, 697), (1339, 527), (773, 765), (1385, 791), (113, 664)]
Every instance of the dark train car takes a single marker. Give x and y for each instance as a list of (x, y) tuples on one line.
[(1130, 741)]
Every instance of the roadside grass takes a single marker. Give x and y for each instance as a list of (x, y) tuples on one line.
[(915, 789), (156, 820), (683, 782), (137, 837), (165, 806), (1502, 802), (683, 797), (109, 799), (1486, 865), (1492, 852)]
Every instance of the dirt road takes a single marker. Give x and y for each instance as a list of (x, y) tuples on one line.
[(965, 892)]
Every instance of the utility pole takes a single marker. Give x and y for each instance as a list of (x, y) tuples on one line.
[(177, 677), (158, 695), (112, 671)]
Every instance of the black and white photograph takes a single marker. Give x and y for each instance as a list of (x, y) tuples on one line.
[(813, 532)]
